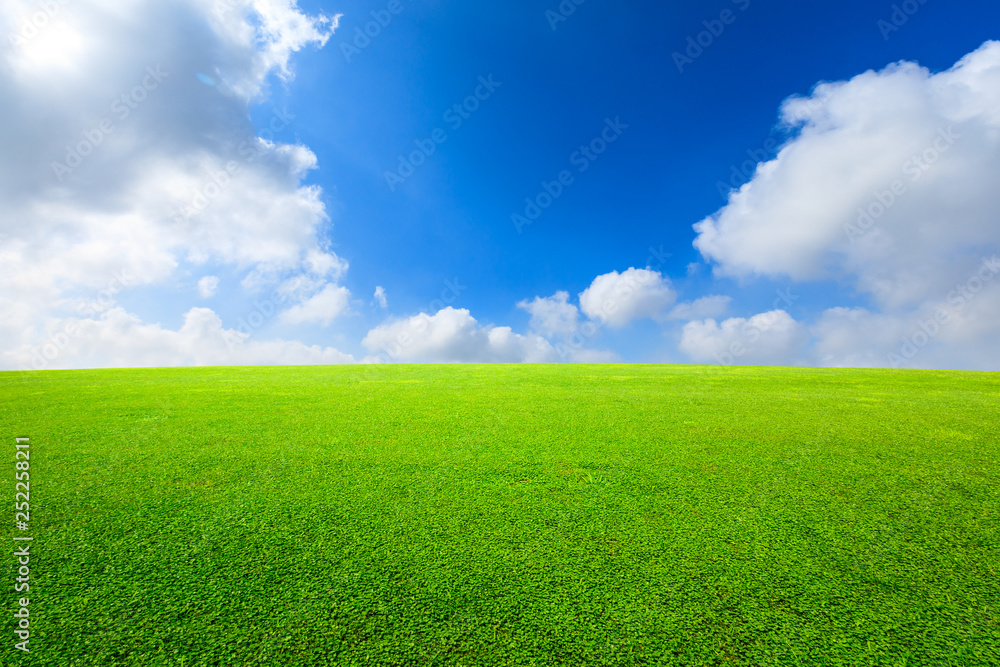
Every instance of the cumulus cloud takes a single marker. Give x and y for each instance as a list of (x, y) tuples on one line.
[(705, 307), (768, 339), (321, 308), (890, 182), (856, 337), (959, 329), (325, 265), (134, 152), (207, 286), (454, 336), (553, 315), (890, 176), (617, 299), (120, 339)]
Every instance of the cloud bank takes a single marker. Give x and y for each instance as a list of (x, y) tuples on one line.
[(134, 154), (891, 184)]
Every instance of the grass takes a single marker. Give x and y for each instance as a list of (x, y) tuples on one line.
[(508, 515)]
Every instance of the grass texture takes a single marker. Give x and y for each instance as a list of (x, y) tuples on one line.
[(508, 515)]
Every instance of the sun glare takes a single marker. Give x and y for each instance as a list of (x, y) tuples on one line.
[(53, 46)]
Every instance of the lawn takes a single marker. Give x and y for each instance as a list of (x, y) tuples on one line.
[(507, 515)]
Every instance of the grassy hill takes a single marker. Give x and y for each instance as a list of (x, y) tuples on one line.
[(508, 515)]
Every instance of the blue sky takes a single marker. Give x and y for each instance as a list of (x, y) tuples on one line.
[(357, 106)]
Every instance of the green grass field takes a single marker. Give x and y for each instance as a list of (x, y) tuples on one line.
[(507, 515)]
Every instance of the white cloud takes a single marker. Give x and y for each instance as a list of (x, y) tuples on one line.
[(856, 338), (767, 339), (699, 309), (891, 184), (380, 297), (320, 308), (616, 299), (207, 286), (959, 329), (278, 30), (935, 136), (325, 264), (585, 356), (553, 315), (119, 339), (451, 336), (137, 166)]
